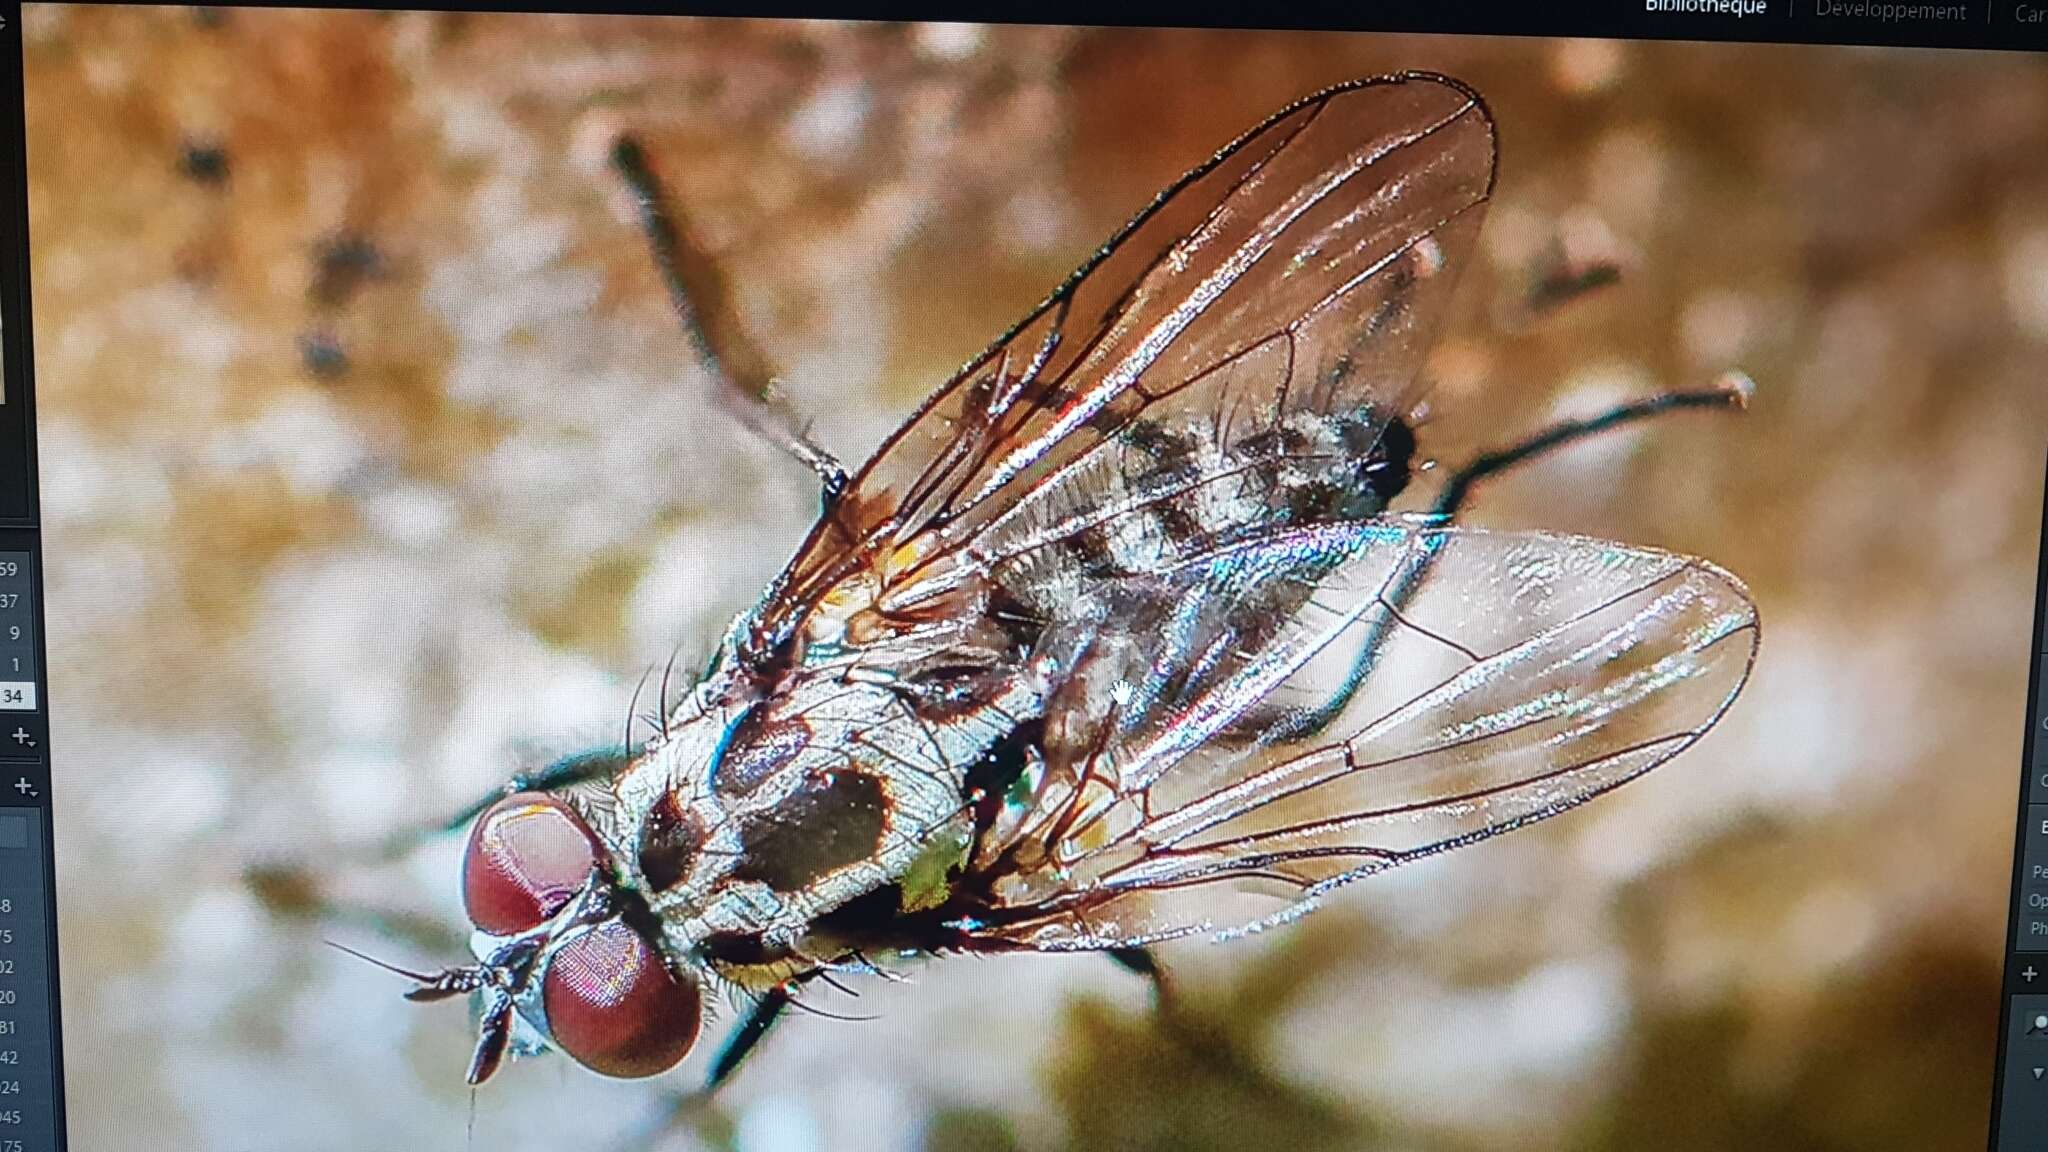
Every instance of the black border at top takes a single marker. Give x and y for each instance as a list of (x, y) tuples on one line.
[(1988, 24)]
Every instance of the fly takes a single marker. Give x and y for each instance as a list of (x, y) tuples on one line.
[(1121, 638)]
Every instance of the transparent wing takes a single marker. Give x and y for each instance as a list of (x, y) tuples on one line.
[(1293, 713), (1302, 268)]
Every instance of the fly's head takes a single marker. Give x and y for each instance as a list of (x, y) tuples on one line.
[(561, 945)]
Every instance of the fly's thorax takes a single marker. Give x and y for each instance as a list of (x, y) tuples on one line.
[(750, 822)]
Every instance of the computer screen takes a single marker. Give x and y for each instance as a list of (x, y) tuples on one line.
[(958, 579)]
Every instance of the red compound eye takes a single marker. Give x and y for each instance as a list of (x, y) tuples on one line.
[(529, 854), (615, 1008)]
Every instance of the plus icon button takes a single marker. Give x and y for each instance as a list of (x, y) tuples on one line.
[(2028, 974)]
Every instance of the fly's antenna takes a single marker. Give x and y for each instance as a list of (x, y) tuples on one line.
[(386, 965), (432, 986), (702, 301)]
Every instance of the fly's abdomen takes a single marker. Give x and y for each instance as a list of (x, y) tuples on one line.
[(1164, 493)]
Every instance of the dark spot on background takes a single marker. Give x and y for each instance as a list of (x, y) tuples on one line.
[(204, 162), (342, 264), (323, 355), (961, 1129)]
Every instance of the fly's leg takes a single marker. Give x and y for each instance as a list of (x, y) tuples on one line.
[(1730, 393), (295, 891), (1554, 279), (1176, 1018), (1172, 1014), (1142, 962), (1562, 281), (1185, 1027), (697, 290), (571, 769), (741, 1041), (300, 892)]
